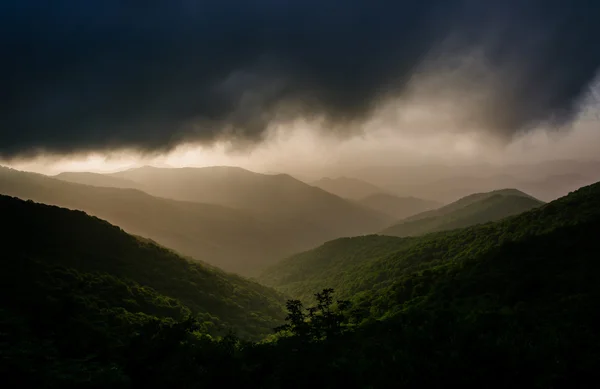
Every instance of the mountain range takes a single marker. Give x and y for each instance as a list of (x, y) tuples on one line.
[(546, 181), (496, 289), (365, 264), (291, 217)]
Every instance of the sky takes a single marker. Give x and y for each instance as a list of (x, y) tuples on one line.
[(296, 85)]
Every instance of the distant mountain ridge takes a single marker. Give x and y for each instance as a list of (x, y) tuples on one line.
[(398, 207), (546, 180), (202, 231), (468, 200), (277, 197), (98, 179), (475, 209), (349, 188), (241, 240)]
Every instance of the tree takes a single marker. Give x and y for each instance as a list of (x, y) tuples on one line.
[(319, 322)]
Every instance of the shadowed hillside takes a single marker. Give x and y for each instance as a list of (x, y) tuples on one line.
[(59, 249)]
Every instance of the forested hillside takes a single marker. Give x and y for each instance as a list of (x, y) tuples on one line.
[(57, 252), (501, 307), (468, 211), (355, 265)]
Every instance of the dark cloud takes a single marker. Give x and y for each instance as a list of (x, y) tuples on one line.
[(86, 75)]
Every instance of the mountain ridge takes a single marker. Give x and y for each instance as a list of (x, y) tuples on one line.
[(347, 187), (397, 206), (470, 210), (279, 197)]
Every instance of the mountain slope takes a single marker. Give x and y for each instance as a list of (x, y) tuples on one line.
[(279, 198), (398, 207), (496, 305), (230, 239), (348, 188), (84, 253), (351, 271), (507, 302), (474, 209)]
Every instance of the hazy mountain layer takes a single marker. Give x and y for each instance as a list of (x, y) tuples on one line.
[(546, 181), (275, 197), (398, 207), (97, 179), (228, 238), (474, 209), (348, 188)]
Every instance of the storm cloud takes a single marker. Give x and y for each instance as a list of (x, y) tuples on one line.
[(82, 76)]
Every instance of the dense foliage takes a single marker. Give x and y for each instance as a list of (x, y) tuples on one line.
[(469, 211), (511, 303)]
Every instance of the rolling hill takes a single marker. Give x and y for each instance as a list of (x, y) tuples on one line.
[(474, 209), (506, 301), (231, 239), (398, 207), (348, 188)]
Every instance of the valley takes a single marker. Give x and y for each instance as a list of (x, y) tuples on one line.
[(121, 308)]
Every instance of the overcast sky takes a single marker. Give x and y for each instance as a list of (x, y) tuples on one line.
[(274, 85)]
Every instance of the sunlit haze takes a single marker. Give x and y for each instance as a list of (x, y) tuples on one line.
[(298, 149)]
